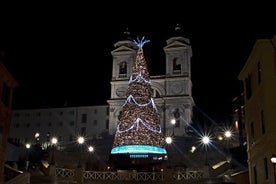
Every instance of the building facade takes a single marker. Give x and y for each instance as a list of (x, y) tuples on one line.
[(66, 124), (172, 92), (259, 81), (7, 86)]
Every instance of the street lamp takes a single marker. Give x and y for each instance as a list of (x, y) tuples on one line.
[(205, 141), (54, 141), (28, 146), (89, 162), (173, 124), (273, 161), (80, 140), (90, 149), (228, 135), (168, 140)]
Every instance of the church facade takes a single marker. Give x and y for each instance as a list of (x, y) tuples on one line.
[(172, 92)]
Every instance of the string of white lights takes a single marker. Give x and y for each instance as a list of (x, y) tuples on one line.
[(138, 78), (137, 123), (151, 102)]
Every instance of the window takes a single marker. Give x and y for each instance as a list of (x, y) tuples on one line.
[(120, 115), (157, 94), (71, 123), (107, 124), (6, 94), (255, 174), (176, 66), (60, 123), (83, 130), (84, 118), (123, 68), (252, 132), (248, 87), (71, 138), (263, 122), (177, 123), (28, 125), (107, 111), (176, 115), (275, 61), (49, 124), (95, 122), (38, 125), (259, 73)]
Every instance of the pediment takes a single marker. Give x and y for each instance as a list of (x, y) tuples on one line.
[(176, 44), (123, 49)]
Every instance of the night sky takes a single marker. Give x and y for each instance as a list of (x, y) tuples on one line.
[(60, 54)]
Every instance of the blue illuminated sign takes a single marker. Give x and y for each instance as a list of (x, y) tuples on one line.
[(145, 149)]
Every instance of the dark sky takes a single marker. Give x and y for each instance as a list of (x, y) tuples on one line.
[(61, 52)]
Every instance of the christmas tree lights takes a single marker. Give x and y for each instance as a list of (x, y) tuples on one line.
[(139, 129)]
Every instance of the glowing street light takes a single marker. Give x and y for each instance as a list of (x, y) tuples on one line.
[(28, 146), (90, 149), (173, 124), (80, 140), (227, 134), (54, 142), (206, 141), (168, 140)]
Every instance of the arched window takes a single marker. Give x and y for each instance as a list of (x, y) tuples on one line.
[(176, 66), (176, 115), (123, 68)]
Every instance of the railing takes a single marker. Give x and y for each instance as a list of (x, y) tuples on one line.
[(142, 176), (70, 174), (188, 175), (139, 176), (65, 173)]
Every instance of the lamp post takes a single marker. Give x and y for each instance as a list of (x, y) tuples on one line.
[(228, 135), (205, 140), (28, 146), (90, 151), (80, 141), (273, 161), (54, 141), (173, 124), (169, 141)]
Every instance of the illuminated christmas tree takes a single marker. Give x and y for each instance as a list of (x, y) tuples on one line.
[(139, 133)]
